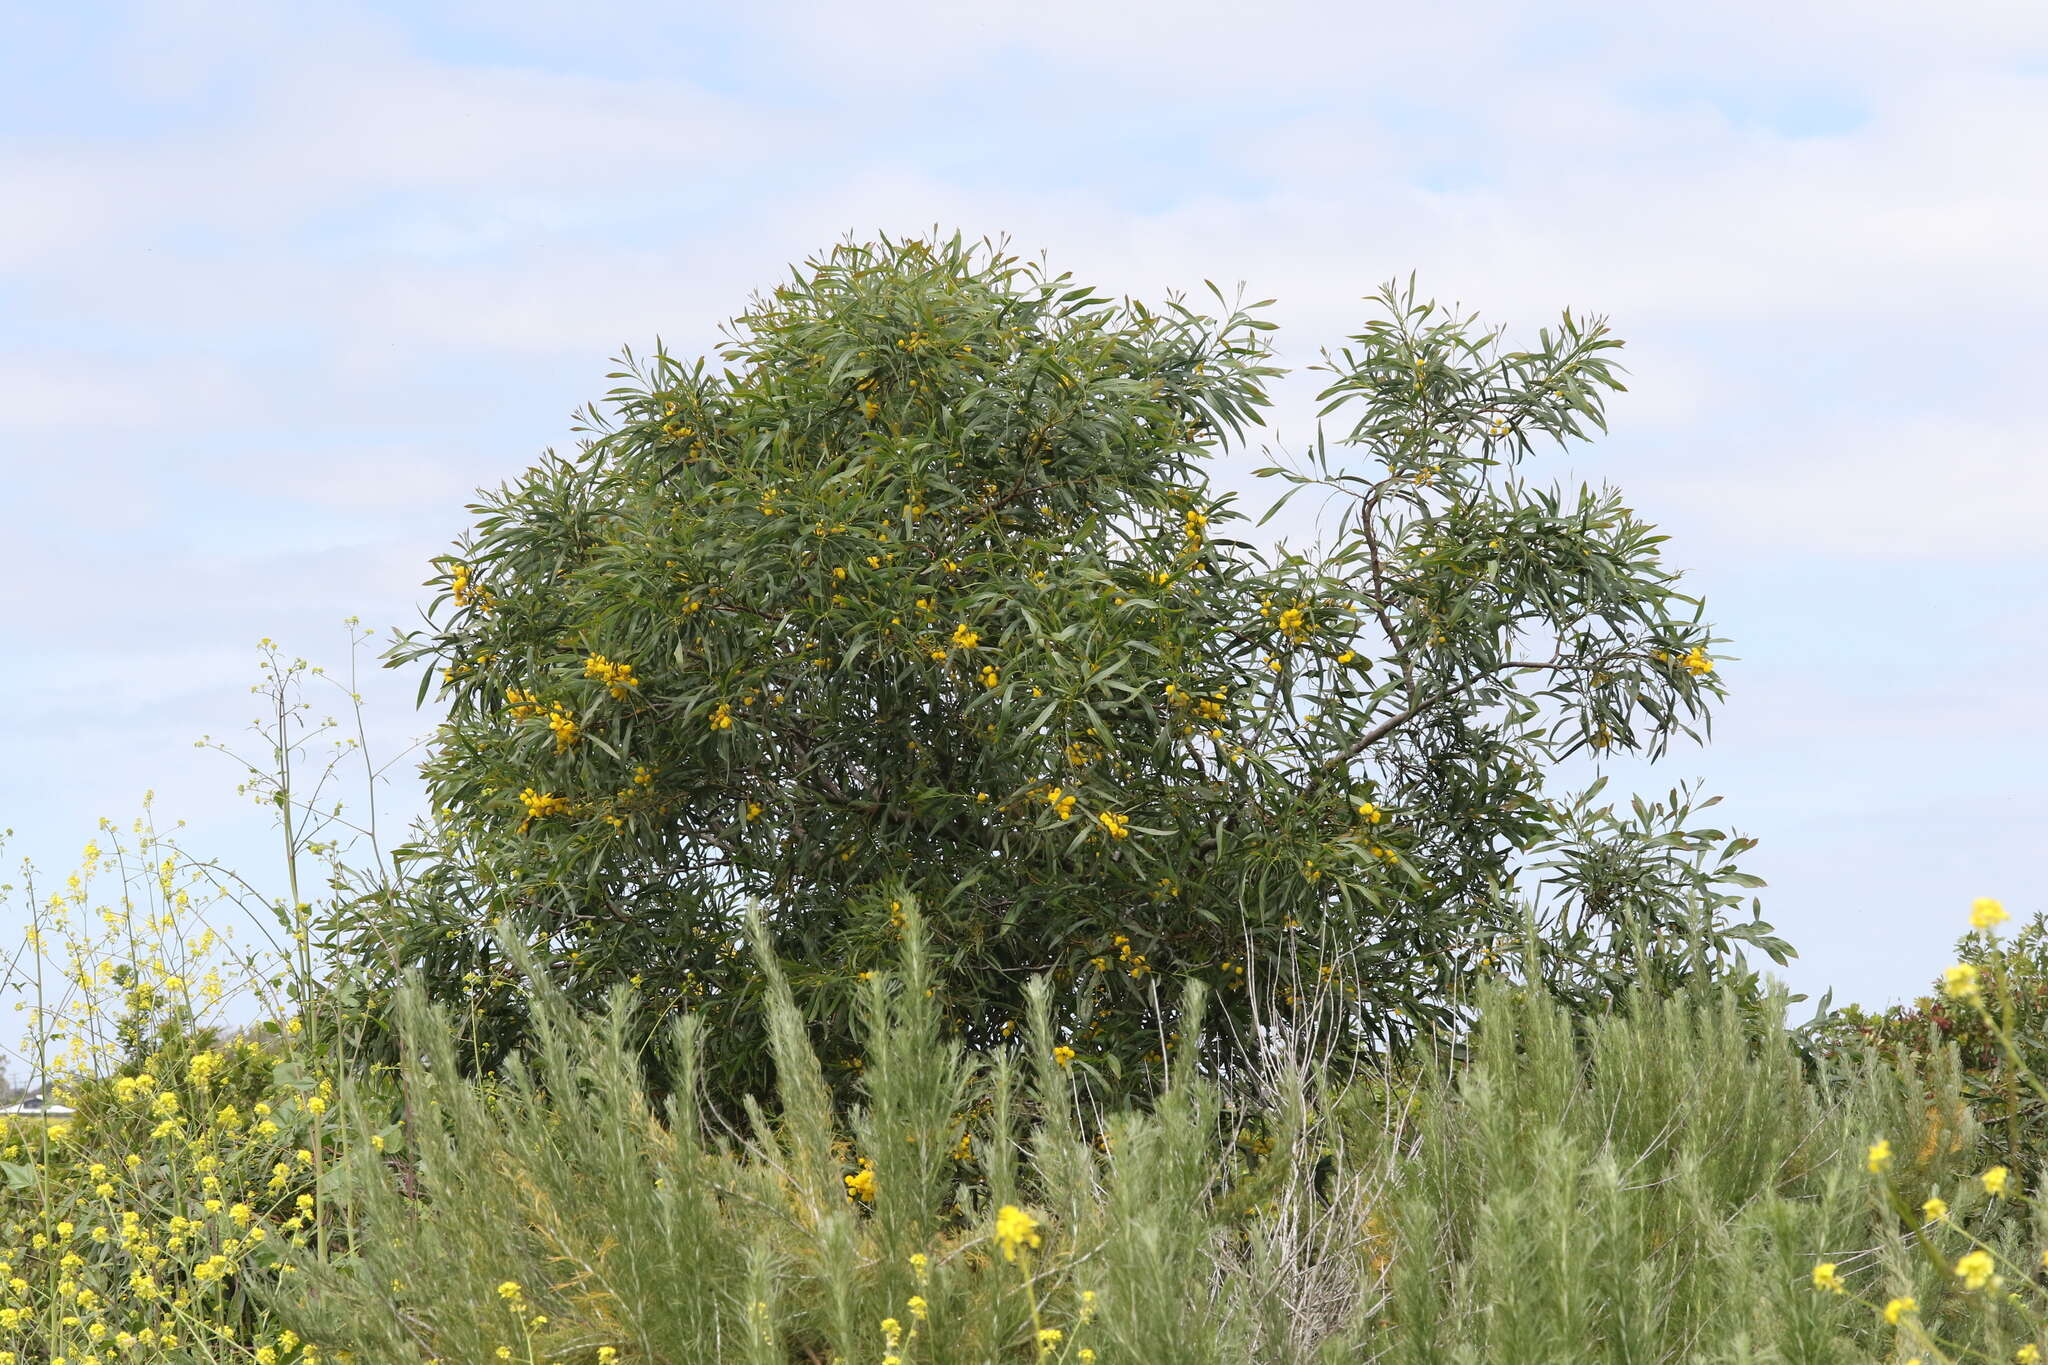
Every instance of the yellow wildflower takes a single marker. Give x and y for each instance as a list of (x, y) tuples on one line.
[(1118, 826), (1016, 1231), (1986, 913), (1994, 1181), (1975, 1270), (1063, 1056), (1824, 1277), (1878, 1157), (1898, 1308), (1960, 983)]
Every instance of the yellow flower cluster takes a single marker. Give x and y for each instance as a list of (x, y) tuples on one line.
[(463, 588), (1134, 962), (1693, 661), (1960, 982), (1016, 1232), (179, 1174), (562, 724), (541, 805), (617, 678)]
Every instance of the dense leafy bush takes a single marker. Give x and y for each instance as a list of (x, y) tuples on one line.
[(925, 592)]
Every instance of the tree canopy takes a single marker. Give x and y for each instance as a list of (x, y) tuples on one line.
[(919, 592)]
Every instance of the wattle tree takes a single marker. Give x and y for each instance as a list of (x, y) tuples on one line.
[(920, 595)]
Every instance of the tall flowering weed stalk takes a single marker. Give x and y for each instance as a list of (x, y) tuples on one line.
[(1961, 1276), (147, 1224), (132, 1228)]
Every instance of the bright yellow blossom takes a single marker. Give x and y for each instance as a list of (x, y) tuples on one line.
[(1960, 983), (617, 677), (1016, 1231), (1975, 1270)]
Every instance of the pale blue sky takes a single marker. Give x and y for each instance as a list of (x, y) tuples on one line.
[(280, 284)]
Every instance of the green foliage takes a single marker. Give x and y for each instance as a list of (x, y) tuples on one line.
[(1653, 1185), (1567, 1193), (924, 593)]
